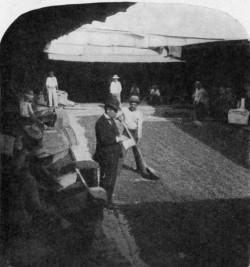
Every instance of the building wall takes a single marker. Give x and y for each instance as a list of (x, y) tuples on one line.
[(218, 64)]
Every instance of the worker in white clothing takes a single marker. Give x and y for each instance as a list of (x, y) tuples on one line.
[(133, 119), (116, 88), (52, 88)]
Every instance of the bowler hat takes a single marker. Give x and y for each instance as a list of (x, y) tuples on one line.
[(134, 99), (116, 77), (113, 103)]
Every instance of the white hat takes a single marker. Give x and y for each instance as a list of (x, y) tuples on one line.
[(134, 99), (116, 77)]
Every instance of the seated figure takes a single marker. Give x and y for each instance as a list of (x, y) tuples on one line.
[(42, 119), (155, 95), (20, 190)]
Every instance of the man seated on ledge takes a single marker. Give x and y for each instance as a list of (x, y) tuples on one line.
[(29, 116)]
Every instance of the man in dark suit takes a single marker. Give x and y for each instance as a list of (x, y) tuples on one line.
[(108, 146)]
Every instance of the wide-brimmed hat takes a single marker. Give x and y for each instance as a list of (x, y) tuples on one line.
[(134, 99), (113, 103), (116, 77), (30, 94), (33, 131)]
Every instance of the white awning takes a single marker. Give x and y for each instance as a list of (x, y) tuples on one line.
[(130, 36), (175, 21), (89, 53)]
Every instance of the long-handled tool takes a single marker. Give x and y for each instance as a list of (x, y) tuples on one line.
[(153, 174), (96, 192)]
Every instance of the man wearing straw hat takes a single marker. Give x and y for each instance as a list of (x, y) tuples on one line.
[(116, 88), (108, 147), (29, 117), (133, 119)]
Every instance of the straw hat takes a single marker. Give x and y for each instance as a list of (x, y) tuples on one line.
[(116, 77), (134, 99), (30, 94), (33, 131)]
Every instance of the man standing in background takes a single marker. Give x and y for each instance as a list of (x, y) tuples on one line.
[(200, 98), (52, 88), (116, 88)]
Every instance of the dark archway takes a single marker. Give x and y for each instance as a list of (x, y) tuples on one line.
[(21, 49)]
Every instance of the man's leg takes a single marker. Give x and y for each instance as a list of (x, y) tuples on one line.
[(119, 98), (55, 97), (140, 165), (50, 97), (108, 181)]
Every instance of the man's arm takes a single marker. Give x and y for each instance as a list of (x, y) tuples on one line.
[(119, 88), (31, 112), (57, 88), (47, 84), (112, 89)]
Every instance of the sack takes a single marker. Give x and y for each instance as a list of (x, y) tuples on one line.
[(7, 145), (238, 116)]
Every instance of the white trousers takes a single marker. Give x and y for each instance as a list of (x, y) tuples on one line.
[(52, 94)]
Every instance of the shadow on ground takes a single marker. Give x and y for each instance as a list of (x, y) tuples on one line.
[(230, 140), (43, 243), (203, 233)]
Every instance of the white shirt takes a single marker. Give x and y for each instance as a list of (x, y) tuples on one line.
[(51, 82), (133, 119), (115, 87), (200, 95)]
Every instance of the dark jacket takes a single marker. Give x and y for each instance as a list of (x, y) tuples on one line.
[(108, 149)]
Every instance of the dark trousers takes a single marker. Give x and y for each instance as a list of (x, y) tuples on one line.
[(109, 172), (200, 111)]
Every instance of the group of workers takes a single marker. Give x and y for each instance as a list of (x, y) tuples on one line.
[(217, 108), (110, 142), (153, 95)]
